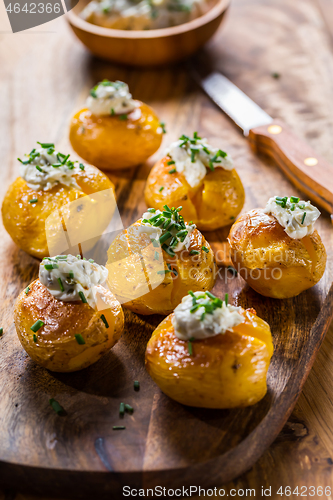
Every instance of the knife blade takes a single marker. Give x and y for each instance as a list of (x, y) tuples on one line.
[(307, 170)]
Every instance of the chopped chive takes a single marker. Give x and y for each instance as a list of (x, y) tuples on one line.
[(190, 348), (56, 406), (210, 295), (136, 385), (205, 249), (162, 125), (36, 326), (118, 427), (27, 290), (203, 316), (129, 408), (294, 199), (156, 255), (1, 331), (232, 270), (61, 257), (292, 207), (161, 189), (61, 284), (155, 243), (34, 200), (122, 409), (103, 318), (194, 252), (151, 210), (171, 162), (112, 112), (82, 297), (91, 261), (165, 237), (122, 117), (79, 339), (226, 299), (172, 171), (81, 166), (71, 275), (39, 169), (35, 338), (275, 75), (48, 267), (46, 145), (303, 218), (164, 272)]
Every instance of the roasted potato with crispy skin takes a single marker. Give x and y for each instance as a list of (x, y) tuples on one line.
[(225, 371), (133, 270), (110, 142), (25, 221), (54, 345), (214, 203), (271, 262)]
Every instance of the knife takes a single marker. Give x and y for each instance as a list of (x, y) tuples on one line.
[(307, 170)]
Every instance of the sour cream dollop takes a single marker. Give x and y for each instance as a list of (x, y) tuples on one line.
[(180, 231), (297, 217), (111, 98), (194, 158), (44, 168), (70, 278), (192, 321)]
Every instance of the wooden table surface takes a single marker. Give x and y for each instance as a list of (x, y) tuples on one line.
[(290, 37)]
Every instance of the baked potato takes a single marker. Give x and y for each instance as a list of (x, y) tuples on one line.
[(225, 367), (204, 183), (65, 336), (31, 205), (111, 135), (151, 269), (272, 262)]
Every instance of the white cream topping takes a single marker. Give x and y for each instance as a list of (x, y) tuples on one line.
[(72, 278), (194, 158), (111, 98), (297, 217), (143, 14), (42, 169), (175, 226), (200, 324)]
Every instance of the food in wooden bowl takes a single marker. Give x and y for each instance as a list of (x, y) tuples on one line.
[(66, 320), (277, 250), (115, 131), (49, 181), (211, 354), (148, 47), (199, 177), (157, 260)]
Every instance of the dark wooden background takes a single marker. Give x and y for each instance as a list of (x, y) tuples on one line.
[(46, 69)]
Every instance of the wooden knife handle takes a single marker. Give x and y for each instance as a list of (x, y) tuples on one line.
[(310, 173)]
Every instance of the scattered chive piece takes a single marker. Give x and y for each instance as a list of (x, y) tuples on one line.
[(226, 298), (164, 272), (205, 249), (161, 189), (1, 331), (122, 409), (27, 290), (156, 255), (194, 252), (39, 168), (36, 326), (136, 385), (118, 427), (294, 199), (56, 407), (232, 270), (232, 217), (190, 347), (303, 218), (276, 75), (103, 318), (172, 171), (34, 200), (112, 112), (129, 408), (122, 117), (82, 297), (71, 275), (48, 267), (171, 162), (81, 166), (35, 338), (46, 144), (60, 284), (91, 261), (79, 339), (162, 125), (165, 237)]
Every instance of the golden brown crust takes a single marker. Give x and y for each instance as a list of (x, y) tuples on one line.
[(25, 222), (56, 347), (112, 143), (132, 282), (259, 243), (216, 202), (225, 371)]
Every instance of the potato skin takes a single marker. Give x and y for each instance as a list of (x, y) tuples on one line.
[(225, 371), (271, 262), (216, 202), (112, 143), (25, 222), (56, 348), (194, 272)]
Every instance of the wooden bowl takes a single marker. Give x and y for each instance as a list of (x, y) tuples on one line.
[(151, 47)]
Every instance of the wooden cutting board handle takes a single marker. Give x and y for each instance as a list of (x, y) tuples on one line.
[(310, 173)]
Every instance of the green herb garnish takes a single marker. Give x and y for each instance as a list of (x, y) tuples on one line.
[(161, 189), (34, 200), (79, 339), (122, 409), (103, 318), (136, 385), (36, 326), (27, 290), (205, 249), (82, 297), (61, 284), (46, 145), (162, 125), (56, 407), (118, 427)]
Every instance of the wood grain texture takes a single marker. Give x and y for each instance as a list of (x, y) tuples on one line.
[(30, 430)]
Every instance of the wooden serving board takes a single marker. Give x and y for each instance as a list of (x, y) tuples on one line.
[(164, 443)]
